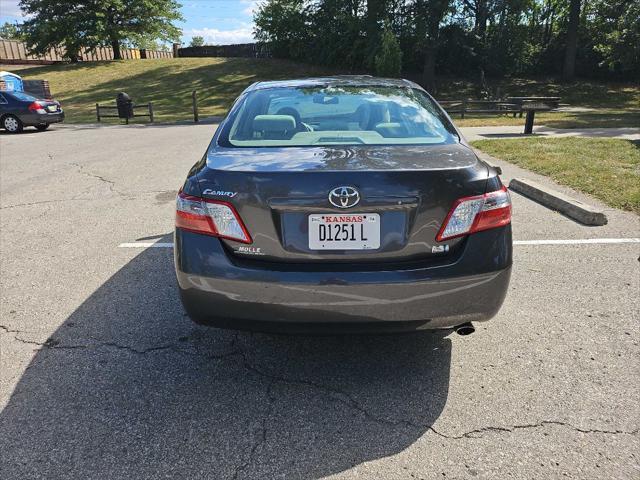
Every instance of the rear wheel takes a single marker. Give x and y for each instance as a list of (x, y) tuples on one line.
[(12, 124), (42, 127)]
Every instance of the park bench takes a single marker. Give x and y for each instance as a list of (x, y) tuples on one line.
[(513, 105), (464, 107)]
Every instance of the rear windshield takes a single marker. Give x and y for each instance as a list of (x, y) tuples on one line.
[(367, 115), (22, 96)]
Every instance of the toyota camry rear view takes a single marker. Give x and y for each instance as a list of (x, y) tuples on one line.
[(341, 203)]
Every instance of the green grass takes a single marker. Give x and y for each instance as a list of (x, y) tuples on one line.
[(608, 169), (583, 93), (615, 104), (601, 118), (168, 83)]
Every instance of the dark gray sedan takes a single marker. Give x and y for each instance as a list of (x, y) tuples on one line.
[(19, 110), (343, 203)]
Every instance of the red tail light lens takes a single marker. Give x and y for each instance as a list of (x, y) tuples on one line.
[(210, 217), (474, 214), (36, 107)]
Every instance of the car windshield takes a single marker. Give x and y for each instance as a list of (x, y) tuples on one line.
[(23, 97), (338, 115)]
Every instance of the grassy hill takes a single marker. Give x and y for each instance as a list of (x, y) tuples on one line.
[(168, 84)]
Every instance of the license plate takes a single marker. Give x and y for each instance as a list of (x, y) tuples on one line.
[(353, 231), (52, 108)]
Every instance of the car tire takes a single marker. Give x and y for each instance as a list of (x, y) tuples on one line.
[(12, 124), (42, 127)]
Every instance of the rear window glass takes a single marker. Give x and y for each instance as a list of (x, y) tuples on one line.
[(22, 96), (367, 115)]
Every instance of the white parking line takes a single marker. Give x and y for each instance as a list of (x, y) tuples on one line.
[(146, 245), (584, 241), (577, 242)]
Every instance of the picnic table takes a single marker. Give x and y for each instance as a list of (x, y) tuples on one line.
[(515, 105), (553, 102), (531, 105)]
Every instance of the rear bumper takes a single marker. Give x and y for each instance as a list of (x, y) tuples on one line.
[(218, 290), (32, 119)]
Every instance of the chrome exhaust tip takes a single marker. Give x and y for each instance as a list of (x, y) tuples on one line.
[(465, 329)]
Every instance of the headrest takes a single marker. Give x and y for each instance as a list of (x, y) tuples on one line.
[(391, 129), (274, 123)]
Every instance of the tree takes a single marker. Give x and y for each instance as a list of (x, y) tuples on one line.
[(57, 24), (146, 42), (493, 37), (125, 20), (388, 61), (92, 23), (569, 66), (197, 41), (615, 31), (10, 31), (284, 25), (481, 10), (375, 11), (429, 15)]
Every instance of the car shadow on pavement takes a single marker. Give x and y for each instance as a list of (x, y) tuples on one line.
[(128, 387)]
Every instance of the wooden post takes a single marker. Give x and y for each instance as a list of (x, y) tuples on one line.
[(194, 100), (98, 112), (528, 123), (464, 108), (150, 112)]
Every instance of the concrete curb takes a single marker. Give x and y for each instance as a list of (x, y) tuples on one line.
[(583, 213)]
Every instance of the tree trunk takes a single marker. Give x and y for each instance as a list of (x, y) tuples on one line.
[(430, 14), (569, 67), (374, 10), (482, 13), (115, 45), (429, 71)]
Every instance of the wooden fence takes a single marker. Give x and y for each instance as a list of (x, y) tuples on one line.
[(12, 51)]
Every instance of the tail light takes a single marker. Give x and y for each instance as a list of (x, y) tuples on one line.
[(36, 107), (474, 214), (210, 217)]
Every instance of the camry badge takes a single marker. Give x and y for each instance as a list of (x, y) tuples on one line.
[(344, 197)]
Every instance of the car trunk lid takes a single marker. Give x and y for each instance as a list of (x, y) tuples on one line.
[(406, 190)]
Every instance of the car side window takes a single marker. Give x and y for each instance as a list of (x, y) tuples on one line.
[(3, 101)]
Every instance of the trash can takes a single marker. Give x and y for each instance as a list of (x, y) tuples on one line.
[(125, 106)]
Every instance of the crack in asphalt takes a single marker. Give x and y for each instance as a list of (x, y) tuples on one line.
[(38, 203), (54, 344), (478, 432), (82, 170), (331, 392), (261, 434), (128, 196), (8, 330)]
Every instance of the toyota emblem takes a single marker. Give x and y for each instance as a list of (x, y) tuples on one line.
[(344, 197)]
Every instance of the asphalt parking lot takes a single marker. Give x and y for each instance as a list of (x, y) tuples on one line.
[(103, 376)]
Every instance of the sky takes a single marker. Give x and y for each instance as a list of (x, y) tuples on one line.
[(218, 21)]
